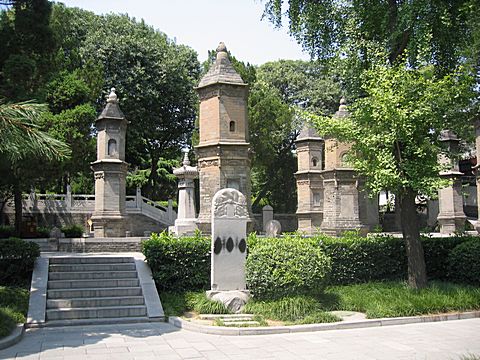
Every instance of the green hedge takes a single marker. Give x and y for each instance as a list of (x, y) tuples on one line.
[(73, 231), (17, 258), (464, 262), (286, 266), (178, 264), (184, 263)]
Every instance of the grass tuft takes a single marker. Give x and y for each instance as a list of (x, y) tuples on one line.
[(392, 299), (13, 308), (176, 304)]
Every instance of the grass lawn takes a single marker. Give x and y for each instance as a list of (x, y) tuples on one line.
[(13, 308), (376, 300)]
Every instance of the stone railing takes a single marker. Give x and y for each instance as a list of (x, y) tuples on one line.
[(85, 203)]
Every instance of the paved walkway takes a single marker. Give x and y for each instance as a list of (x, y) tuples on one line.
[(441, 340)]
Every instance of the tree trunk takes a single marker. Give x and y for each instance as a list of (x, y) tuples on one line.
[(417, 275), (17, 199)]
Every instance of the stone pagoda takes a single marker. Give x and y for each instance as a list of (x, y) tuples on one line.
[(110, 169), (223, 149), (310, 152), (451, 217), (185, 224)]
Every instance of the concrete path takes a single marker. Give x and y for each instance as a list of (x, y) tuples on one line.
[(441, 340)]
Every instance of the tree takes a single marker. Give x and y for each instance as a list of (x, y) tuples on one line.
[(357, 36), (22, 143), (281, 87), (395, 131), (155, 80)]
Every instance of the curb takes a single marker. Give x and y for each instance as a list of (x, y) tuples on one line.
[(13, 338), (236, 331)]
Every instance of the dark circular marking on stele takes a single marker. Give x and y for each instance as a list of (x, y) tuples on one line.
[(242, 246), (230, 244), (217, 246)]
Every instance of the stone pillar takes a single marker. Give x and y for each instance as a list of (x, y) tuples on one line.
[(138, 198), (185, 224), (229, 248), (451, 217), (346, 205), (68, 197), (267, 215), (110, 171), (223, 151), (310, 160)]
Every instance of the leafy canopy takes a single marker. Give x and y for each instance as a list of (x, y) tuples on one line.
[(395, 128)]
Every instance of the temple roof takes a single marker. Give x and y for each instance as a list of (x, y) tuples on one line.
[(221, 71)]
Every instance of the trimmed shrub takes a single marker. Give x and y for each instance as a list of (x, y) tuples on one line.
[(43, 232), (361, 259), (73, 231), (464, 262), (286, 266), (17, 258), (6, 231), (178, 264), (437, 251)]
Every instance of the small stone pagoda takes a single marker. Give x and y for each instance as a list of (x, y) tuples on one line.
[(223, 149), (110, 170), (185, 224)]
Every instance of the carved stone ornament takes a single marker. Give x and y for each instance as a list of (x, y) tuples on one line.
[(230, 203), (303, 182), (208, 163), (99, 176)]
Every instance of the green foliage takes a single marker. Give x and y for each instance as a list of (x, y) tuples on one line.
[(174, 303), (464, 264), (199, 303), (67, 91), (13, 308), (293, 309), (362, 259), (21, 134), (392, 299), (286, 266), (43, 232), (6, 231), (178, 263), (73, 231), (17, 258)]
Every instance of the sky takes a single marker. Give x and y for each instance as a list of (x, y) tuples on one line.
[(202, 24)]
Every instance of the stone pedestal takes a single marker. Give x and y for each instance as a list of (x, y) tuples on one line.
[(451, 217), (185, 224), (267, 215), (345, 206)]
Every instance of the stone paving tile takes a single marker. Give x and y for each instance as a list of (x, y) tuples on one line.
[(435, 341)]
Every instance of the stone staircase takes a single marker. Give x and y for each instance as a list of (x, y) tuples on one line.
[(84, 290)]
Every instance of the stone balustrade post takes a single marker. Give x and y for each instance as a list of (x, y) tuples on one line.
[(267, 215), (68, 198), (138, 198)]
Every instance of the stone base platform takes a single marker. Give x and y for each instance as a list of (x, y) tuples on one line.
[(89, 245)]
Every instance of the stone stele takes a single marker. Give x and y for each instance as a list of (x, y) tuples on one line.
[(273, 228), (229, 249)]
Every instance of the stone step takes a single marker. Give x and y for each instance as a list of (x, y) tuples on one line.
[(226, 317), (93, 292), (95, 312), (92, 283), (241, 323), (102, 321), (84, 275), (94, 302), (92, 267), (91, 260)]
